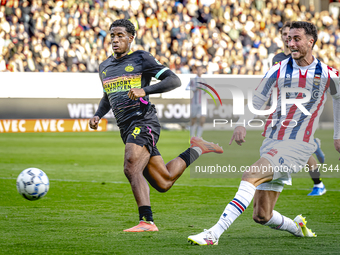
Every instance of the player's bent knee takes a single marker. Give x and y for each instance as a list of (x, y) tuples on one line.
[(129, 160), (163, 187), (128, 173), (261, 218), (130, 167)]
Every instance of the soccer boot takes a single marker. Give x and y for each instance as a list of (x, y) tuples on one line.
[(303, 231), (205, 238), (205, 146), (319, 153), (318, 191), (143, 226)]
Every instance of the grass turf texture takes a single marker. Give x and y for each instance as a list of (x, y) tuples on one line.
[(90, 201)]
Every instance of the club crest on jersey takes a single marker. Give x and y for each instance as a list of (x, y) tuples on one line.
[(129, 68), (281, 160), (317, 79)]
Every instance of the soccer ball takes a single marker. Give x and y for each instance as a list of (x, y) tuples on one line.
[(32, 183)]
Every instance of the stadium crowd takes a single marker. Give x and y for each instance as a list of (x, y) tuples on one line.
[(224, 36)]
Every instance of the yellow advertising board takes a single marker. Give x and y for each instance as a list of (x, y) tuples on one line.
[(48, 125)]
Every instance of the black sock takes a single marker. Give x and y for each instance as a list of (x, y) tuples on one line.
[(189, 156), (315, 176), (145, 213)]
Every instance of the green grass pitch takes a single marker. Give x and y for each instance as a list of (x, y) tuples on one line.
[(90, 201)]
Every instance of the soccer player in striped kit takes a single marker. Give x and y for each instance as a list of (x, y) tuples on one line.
[(287, 146), (319, 188), (198, 101)]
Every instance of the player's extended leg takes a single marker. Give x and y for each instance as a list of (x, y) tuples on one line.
[(319, 188), (135, 160), (193, 127), (264, 213), (260, 172), (162, 176), (254, 176), (263, 204), (200, 127), (159, 175), (319, 153)]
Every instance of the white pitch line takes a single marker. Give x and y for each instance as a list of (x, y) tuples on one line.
[(178, 184)]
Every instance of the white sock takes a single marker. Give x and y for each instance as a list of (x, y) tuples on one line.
[(193, 130), (198, 149), (235, 208), (280, 222), (320, 185), (199, 131)]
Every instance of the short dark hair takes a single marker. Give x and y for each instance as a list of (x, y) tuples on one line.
[(310, 29), (287, 24), (129, 27)]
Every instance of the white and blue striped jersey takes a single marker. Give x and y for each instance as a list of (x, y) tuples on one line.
[(198, 97), (317, 78)]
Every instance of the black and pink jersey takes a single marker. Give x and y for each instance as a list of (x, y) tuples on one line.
[(118, 76)]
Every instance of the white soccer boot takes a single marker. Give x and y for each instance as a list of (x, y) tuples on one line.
[(207, 237), (303, 231)]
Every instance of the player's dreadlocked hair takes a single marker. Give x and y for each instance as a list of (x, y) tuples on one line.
[(130, 28), (310, 29)]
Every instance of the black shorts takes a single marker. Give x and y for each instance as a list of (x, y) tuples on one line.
[(144, 132)]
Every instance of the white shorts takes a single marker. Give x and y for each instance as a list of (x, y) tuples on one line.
[(196, 111), (286, 157)]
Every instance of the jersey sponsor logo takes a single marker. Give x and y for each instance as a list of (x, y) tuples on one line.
[(272, 152), (129, 68), (104, 72), (122, 83)]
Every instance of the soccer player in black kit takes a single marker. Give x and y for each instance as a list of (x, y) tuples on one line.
[(125, 78), (319, 188)]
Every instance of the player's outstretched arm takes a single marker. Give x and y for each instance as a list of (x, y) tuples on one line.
[(103, 108), (94, 122), (169, 81), (239, 135), (240, 131)]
